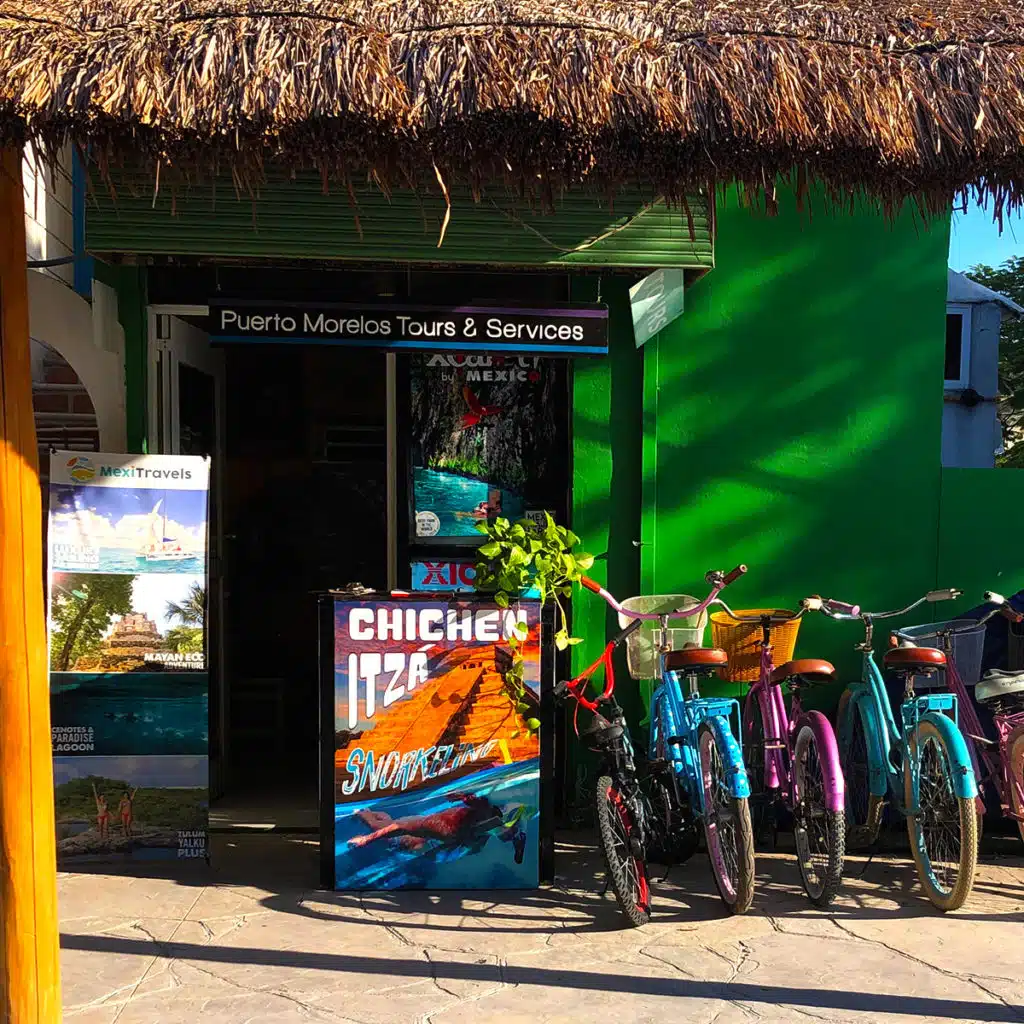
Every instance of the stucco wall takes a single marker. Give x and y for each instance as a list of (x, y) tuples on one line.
[(49, 223), (90, 338)]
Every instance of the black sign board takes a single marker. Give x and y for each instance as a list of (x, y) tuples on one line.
[(551, 330)]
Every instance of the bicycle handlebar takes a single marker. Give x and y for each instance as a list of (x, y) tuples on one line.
[(842, 611), (830, 606), (774, 619), (1002, 607), (716, 579), (732, 577)]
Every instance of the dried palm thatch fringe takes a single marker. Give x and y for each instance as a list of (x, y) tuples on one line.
[(888, 99)]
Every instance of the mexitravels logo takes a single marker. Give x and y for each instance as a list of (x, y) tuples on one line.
[(81, 469)]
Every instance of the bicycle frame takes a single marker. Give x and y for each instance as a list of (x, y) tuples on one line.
[(996, 764), (781, 729), (675, 724), (676, 719), (884, 738)]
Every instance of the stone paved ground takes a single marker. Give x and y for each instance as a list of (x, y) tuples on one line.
[(252, 941)]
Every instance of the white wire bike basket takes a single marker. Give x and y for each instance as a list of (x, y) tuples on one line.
[(642, 647)]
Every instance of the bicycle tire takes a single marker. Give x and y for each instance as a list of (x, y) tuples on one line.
[(1015, 748), (863, 808), (822, 889), (753, 759), (940, 805), (730, 850), (627, 870)]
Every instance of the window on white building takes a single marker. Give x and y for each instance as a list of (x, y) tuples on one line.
[(958, 347)]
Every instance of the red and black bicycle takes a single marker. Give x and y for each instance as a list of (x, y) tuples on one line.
[(634, 805)]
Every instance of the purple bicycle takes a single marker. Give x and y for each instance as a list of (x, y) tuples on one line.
[(793, 758), (998, 764)]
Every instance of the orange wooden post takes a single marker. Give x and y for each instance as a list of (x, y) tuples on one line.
[(29, 953)]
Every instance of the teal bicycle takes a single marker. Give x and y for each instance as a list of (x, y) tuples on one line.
[(922, 764)]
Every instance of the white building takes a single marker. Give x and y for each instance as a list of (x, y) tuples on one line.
[(971, 433)]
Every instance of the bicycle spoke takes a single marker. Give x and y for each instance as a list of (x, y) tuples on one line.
[(812, 813), (721, 819), (939, 816), (856, 771)]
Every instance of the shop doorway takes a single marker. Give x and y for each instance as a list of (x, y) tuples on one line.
[(305, 510)]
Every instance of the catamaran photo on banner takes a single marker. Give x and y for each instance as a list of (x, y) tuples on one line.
[(128, 513)]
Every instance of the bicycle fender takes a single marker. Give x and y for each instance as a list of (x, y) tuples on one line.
[(964, 782), (739, 784), (825, 740), (878, 778)]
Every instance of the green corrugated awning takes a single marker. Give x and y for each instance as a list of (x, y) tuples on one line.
[(295, 219)]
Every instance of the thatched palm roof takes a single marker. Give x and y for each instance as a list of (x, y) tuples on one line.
[(900, 98)]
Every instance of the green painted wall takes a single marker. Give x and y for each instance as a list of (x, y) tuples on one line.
[(607, 408), (981, 545), (792, 417), (130, 284)]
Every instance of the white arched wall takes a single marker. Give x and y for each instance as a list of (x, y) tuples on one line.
[(90, 338)]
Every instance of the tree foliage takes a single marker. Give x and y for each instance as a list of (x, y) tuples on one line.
[(517, 557), (1008, 280), (184, 640), (82, 608), (191, 611)]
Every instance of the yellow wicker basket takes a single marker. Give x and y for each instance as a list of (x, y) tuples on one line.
[(742, 642)]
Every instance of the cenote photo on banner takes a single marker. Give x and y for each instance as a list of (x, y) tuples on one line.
[(141, 713), (486, 437)]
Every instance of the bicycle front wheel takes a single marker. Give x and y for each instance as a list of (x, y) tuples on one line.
[(1015, 746), (623, 849), (753, 757), (727, 828), (820, 833), (944, 832), (863, 809)]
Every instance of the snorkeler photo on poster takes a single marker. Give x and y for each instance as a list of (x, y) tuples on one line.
[(486, 439), (436, 771)]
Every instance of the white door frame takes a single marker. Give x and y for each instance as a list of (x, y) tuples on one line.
[(173, 342)]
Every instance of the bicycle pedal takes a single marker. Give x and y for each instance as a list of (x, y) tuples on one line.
[(661, 764)]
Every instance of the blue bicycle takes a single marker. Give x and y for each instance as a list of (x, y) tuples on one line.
[(922, 764), (695, 773)]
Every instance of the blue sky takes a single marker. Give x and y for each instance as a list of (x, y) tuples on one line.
[(975, 238), (187, 508)]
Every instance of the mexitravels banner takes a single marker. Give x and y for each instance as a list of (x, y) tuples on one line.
[(436, 777), (128, 682)]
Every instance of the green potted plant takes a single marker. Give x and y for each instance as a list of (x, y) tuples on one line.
[(528, 556)]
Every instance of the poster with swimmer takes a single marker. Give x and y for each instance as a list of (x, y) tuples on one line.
[(436, 773), (486, 433), (127, 647)]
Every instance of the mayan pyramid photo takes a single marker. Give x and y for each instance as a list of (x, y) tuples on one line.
[(463, 702), (125, 650)]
